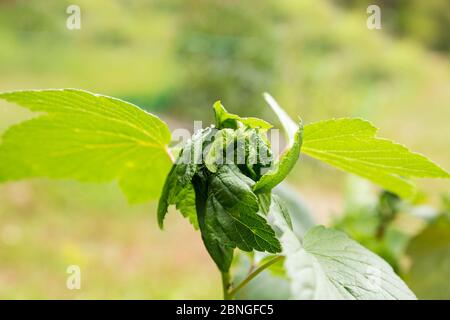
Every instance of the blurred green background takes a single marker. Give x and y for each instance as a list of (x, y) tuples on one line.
[(175, 58)]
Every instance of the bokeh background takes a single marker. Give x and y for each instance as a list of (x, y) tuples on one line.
[(175, 58)]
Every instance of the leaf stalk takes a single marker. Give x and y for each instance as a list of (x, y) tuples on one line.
[(252, 275)]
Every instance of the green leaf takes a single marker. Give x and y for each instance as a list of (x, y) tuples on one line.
[(272, 204), (166, 196), (281, 206), (429, 254), (299, 213), (351, 145), (258, 155), (232, 213), (330, 265), (288, 159), (221, 254), (178, 189), (192, 155), (289, 125), (185, 203), (233, 121), (87, 137), (181, 195), (283, 166), (216, 154), (327, 264)]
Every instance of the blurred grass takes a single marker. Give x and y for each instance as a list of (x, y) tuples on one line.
[(47, 226), (322, 62)]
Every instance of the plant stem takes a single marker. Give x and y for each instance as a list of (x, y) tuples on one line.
[(252, 275), (226, 285)]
